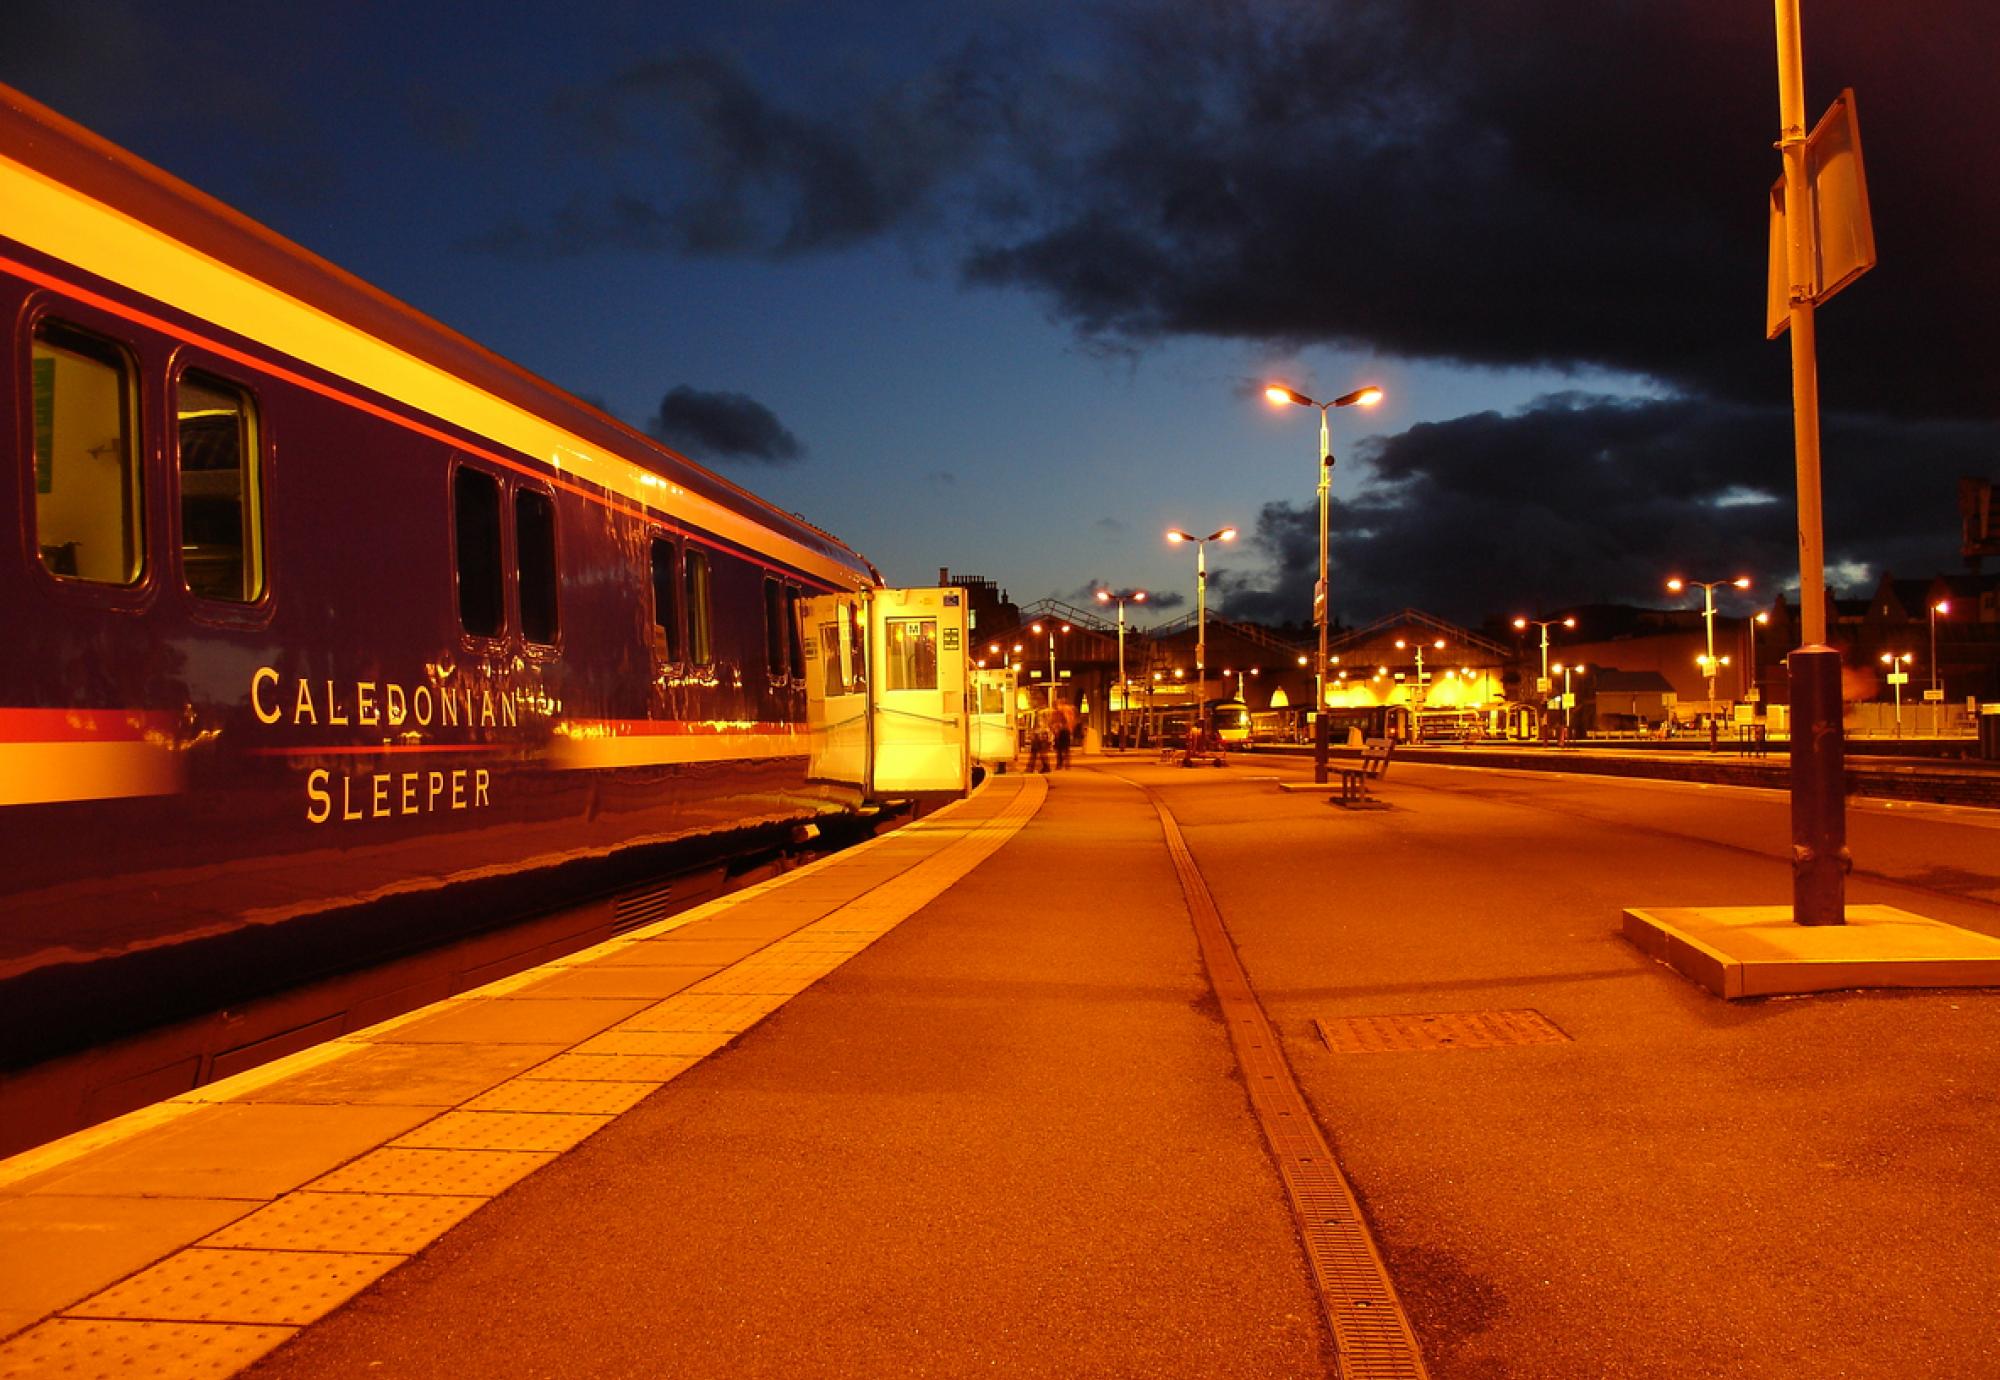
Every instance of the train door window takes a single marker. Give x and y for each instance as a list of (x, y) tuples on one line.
[(88, 501), (222, 540), (795, 645), (909, 654), (844, 650), (666, 602), (476, 523), (774, 627), (535, 564), (694, 569)]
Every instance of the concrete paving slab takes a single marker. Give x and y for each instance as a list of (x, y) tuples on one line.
[(1757, 951), (498, 1021), (633, 980), (239, 1150), (54, 1251), (463, 1173), (678, 950), (407, 1075)]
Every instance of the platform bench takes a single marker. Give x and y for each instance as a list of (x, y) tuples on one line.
[(1373, 764)]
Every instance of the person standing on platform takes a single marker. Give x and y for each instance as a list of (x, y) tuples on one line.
[(1038, 742), (1065, 728)]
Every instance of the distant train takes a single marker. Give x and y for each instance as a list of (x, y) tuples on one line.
[(330, 634)]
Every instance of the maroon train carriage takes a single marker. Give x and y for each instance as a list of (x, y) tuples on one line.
[(330, 635)]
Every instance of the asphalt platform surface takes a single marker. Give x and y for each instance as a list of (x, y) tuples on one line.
[(1009, 1138)]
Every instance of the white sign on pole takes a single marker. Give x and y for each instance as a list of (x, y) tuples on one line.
[(1839, 206), (1935, 696)]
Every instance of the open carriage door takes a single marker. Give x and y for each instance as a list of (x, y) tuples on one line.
[(917, 694), (833, 628)]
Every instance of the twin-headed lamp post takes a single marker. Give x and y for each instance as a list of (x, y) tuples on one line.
[(1121, 598), (1052, 629), (1176, 535), (1522, 625), (1899, 671), (1360, 397), (1417, 700), (1708, 588)]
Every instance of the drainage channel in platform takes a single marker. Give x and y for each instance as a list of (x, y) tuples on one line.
[(1372, 1334)]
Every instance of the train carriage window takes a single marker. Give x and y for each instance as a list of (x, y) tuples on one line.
[(694, 567), (88, 500), (476, 519), (666, 605), (774, 627), (795, 643), (909, 654), (535, 564), (222, 540)]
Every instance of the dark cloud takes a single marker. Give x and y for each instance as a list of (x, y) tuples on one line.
[(758, 175), (1535, 183), (1109, 526), (1586, 499), (724, 426)]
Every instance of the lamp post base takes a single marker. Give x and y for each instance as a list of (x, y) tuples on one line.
[(1820, 859)]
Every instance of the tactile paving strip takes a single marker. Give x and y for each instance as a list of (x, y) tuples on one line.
[(1371, 1333), (95, 1349), (461, 1173), (691, 1044), (392, 1223), (463, 1130), (612, 1068), (597, 1098), (238, 1286), (1439, 1030)]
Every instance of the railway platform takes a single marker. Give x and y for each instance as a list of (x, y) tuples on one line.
[(1123, 1070)]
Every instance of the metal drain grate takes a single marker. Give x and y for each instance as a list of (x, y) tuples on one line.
[(1438, 1030)]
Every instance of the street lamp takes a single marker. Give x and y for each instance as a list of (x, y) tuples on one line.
[(1052, 630), (1936, 696), (1756, 691), (1176, 536), (1897, 676), (1136, 596), (1521, 624), (1419, 649), (1569, 697), (1361, 397), (1708, 587)]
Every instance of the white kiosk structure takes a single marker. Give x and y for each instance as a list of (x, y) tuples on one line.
[(886, 690)]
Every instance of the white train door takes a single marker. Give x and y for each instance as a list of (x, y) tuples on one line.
[(833, 629), (917, 693)]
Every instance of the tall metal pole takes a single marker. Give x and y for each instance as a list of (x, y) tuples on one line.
[(1936, 699), (1201, 630), (1819, 809), (1321, 601), (1708, 628), (1124, 691)]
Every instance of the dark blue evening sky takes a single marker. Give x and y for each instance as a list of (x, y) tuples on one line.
[(989, 285)]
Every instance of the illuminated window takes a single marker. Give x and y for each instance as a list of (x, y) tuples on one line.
[(535, 564), (909, 654), (694, 566), (666, 606), (88, 501), (476, 522), (222, 538)]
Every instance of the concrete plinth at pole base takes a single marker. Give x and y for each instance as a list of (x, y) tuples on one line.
[(1757, 951)]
